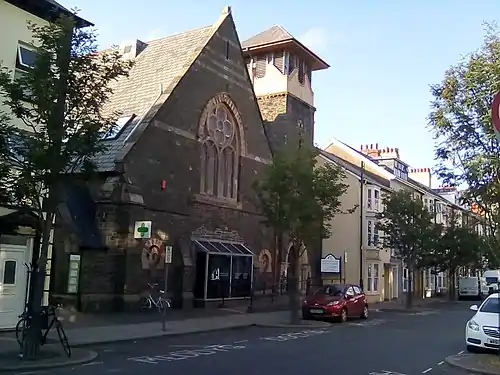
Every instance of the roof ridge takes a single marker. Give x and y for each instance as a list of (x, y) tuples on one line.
[(179, 33)]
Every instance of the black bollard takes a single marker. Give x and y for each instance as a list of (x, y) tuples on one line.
[(250, 306)]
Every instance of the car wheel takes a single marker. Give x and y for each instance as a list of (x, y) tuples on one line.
[(343, 315), (364, 314)]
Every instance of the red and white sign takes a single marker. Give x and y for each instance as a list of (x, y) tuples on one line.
[(495, 114)]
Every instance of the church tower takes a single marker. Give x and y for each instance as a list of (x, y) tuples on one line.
[(281, 70)]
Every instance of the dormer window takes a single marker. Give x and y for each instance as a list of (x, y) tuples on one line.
[(25, 61), (26, 58)]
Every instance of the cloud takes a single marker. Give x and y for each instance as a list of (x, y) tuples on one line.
[(319, 38)]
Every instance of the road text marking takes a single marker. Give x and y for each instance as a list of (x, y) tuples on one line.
[(295, 335), (186, 354), (426, 371)]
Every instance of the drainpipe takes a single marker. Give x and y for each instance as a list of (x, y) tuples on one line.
[(361, 217)]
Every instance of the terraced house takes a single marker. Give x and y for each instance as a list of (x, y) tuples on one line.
[(381, 170), (202, 114), (18, 245)]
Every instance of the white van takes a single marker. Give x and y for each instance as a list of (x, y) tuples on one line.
[(472, 287), (491, 277)]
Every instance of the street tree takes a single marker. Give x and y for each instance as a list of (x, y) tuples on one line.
[(467, 150), (408, 228), (299, 199), (53, 126), (459, 246)]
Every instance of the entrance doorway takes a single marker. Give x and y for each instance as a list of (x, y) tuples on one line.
[(13, 282)]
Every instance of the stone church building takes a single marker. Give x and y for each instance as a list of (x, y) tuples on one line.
[(201, 115)]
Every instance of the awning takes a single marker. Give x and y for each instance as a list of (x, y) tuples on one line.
[(223, 248)]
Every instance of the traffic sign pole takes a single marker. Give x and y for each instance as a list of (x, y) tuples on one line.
[(168, 260)]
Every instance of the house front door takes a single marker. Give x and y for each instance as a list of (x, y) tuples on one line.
[(13, 283)]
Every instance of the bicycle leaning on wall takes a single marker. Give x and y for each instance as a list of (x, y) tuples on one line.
[(161, 303), (48, 320)]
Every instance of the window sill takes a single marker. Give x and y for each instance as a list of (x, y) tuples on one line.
[(217, 201), (372, 293)]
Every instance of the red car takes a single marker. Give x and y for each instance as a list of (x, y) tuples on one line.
[(336, 301)]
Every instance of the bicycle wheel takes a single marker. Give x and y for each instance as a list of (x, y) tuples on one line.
[(21, 327), (146, 303), (63, 338)]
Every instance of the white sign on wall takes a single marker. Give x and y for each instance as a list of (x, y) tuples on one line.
[(330, 264), (168, 254)]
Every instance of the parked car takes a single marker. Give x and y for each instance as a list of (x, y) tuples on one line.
[(336, 301), (481, 331)]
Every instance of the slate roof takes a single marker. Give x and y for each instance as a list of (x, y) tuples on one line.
[(157, 70), (371, 177), (273, 35)]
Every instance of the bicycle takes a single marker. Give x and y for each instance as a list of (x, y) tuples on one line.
[(49, 319), (161, 303)]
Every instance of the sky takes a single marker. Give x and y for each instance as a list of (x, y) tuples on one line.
[(383, 54)]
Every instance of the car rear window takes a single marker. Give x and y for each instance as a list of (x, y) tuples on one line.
[(491, 305)]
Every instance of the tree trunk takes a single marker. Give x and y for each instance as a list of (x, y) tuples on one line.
[(409, 292), (32, 340), (453, 289), (293, 284)]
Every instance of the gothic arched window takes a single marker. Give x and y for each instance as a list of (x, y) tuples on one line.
[(219, 134)]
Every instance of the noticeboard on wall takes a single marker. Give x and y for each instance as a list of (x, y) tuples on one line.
[(330, 264), (73, 273)]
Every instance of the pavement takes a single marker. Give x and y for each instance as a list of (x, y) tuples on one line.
[(389, 342), (486, 364)]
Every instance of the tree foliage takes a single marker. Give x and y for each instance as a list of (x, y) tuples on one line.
[(407, 228), (299, 199), (53, 125), (58, 107), (468, 151), (459, 247)]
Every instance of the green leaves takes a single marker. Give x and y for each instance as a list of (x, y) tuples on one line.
[(467, 150), (299, 197), (55, 121), (407, 227), (459, 246)]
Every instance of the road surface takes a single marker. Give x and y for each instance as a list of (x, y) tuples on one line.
[(388, 342)]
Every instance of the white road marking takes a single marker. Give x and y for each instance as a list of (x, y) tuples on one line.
[(295, 335), (32, 372), (440, 363), (93, 363), (241, 341), (426, 371), (461, 352)]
